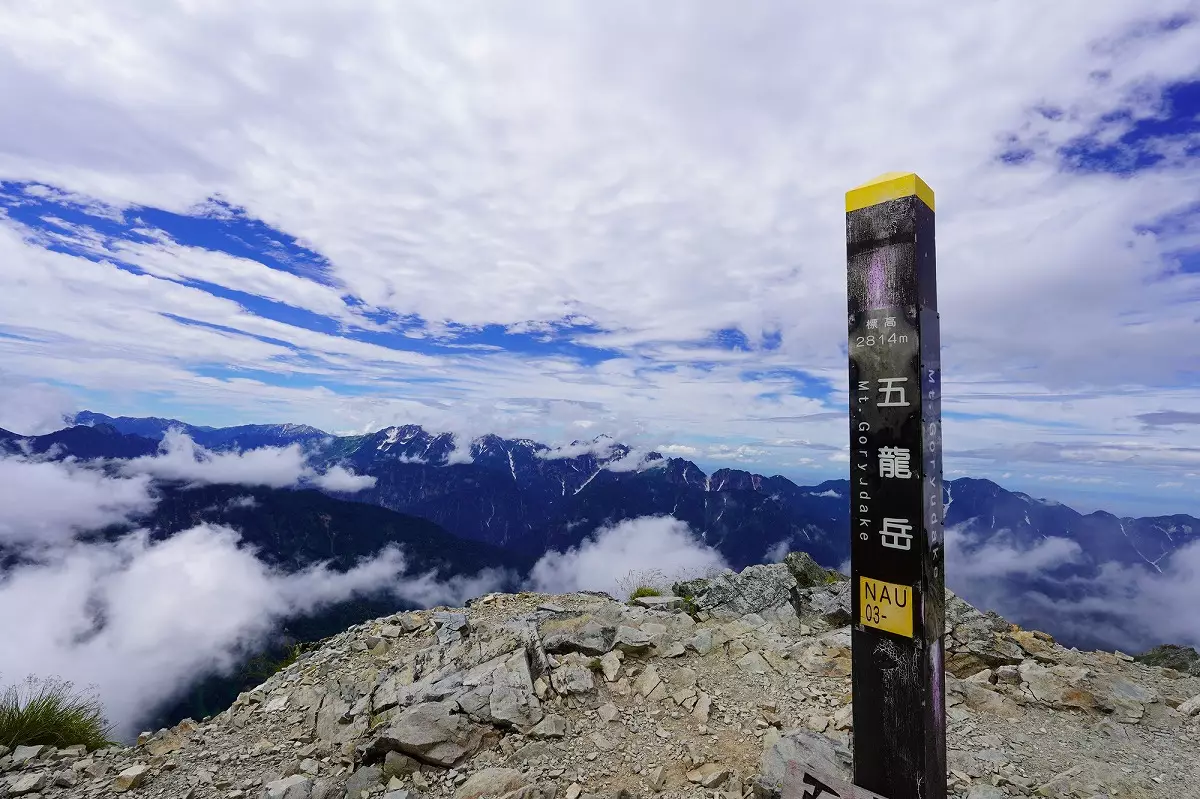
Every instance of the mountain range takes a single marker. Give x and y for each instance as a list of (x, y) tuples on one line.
[(524, 497)]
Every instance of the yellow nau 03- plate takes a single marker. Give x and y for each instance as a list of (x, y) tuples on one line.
[(886, 606)]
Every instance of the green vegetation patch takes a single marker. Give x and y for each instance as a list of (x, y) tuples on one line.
[(50, 712)]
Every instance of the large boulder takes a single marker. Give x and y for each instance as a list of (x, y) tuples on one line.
[(808, 572), (761, 589), (432, 733), (772, 590), (825, 605), (501, 692), (582, 634), (976, 641)]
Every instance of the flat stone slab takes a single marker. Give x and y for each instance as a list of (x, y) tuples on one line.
[(660, 602)]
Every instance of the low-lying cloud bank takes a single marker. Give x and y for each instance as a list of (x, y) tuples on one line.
[(143, 620), (603, 562), (1050, 586), (181, 458), (602, 448), (46, 503)]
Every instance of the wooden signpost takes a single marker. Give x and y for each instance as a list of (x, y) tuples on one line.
[(896, 562)]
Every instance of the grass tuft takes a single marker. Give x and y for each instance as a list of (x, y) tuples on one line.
[(644, 590), (51, 713)]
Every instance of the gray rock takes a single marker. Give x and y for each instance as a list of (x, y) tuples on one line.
[(431, 733), (632, 641), (647, 681), (130, 778), (451, 626), (396, 764), (552, 726), (410, 622), (667, 602), (1124, 689), (975, 640), (822, 753), (327, 789), (610, 664), (365, 778), (293, 787), (572, 678), (1191, 707), (754, 663), (756, 589), (450, 620), (701, 642), (514, 700), (29, 783), (828, 604), (709, 775), (542, 790), (491, 782), (527, 753), (589, 638), (807, 572), (23, 754)]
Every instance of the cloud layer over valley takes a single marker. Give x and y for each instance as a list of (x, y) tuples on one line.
[(142, 619), (180, 458)]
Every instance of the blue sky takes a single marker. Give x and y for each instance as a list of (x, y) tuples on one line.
[(478, 219)]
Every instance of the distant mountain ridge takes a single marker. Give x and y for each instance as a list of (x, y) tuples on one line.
[(524, 496), (241, 437)]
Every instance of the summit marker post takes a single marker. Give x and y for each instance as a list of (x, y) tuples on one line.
[(896, 550)]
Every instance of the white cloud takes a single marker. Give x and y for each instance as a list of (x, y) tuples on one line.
[(462, 451), (635, 461), (33, 409), (600, 563), (1132, 608), (180, 458), (143, 620), (677, 451), (48, 502), (778, 551), (969, 556), (601, 448), (828, 493), (339, 478)]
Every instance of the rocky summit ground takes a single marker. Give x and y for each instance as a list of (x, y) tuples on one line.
[(532, 696)]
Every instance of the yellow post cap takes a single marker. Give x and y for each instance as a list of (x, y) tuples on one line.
[(888, 186)]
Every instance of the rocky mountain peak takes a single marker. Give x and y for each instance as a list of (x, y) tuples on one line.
[(704, 693)]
